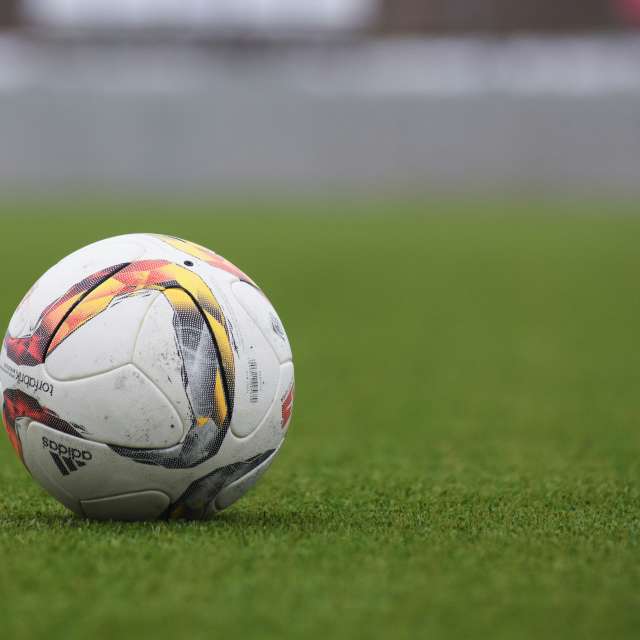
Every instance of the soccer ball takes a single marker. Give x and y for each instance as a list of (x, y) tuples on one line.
[(145, 376)]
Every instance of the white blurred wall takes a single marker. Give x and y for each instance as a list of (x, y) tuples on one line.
[(456, 116), (267, 14)]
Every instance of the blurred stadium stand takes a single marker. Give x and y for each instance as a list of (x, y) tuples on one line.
[(287, 16), (629, 12), (9, 14), (496, 16), (408, 96), (257, 18)]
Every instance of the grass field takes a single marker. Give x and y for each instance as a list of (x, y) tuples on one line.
[(464, 459)]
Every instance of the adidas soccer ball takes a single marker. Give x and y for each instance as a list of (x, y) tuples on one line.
[(145, 376)]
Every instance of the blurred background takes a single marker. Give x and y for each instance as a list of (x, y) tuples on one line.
[(320, 96)]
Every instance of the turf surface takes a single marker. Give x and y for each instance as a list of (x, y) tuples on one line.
[(464, 459)]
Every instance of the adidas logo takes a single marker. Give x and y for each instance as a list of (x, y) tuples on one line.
[(67, 459)]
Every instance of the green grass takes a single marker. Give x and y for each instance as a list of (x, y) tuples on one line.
[(464, 459)]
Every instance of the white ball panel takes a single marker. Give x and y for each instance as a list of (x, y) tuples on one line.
[(104, 474), (265, 317), (104, 343), (42, 467), (156, 355), (257, 377), (132, 507), (266, 435), (274, 427), (163, 249), (68, 272), (121, 407), (23, 314)]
